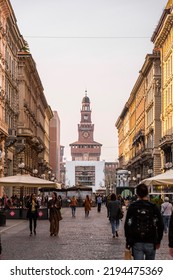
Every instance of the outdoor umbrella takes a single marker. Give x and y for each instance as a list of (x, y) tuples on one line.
[(163, 179), (25, 180)]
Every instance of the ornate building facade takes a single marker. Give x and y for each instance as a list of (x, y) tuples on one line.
[(24, 112), (163, 41), (85, 169), (86, 148), (55, 148), (139, 127)]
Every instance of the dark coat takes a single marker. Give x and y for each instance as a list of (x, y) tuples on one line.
[(31, 214), (113, 209), (130, 228), (55, 209)]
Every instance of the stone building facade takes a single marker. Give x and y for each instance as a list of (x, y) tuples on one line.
[(86, 148), (24, 112), (163, 41), (55, 147), (85, 169), (138, 125)]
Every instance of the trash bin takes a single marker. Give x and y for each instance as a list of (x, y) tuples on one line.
[(2, 218)]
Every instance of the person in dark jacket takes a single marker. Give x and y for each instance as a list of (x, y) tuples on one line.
[(114, 207), (145, 237), (170, 236), (32, 214), (54, 206)]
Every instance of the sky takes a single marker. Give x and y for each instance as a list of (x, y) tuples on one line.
[(94, 45)]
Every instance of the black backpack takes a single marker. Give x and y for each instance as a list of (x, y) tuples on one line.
[(144, 222)]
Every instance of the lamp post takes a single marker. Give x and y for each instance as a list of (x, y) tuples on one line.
[(150, 172), (49, 174), (35, 172), (138, 176), (21, 166), (168, 165)]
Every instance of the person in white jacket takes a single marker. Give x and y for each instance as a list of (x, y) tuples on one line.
[(166, 211)]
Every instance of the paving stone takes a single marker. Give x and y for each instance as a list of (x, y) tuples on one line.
[(79, 238)]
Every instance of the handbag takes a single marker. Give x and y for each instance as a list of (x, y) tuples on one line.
[(128, 254)]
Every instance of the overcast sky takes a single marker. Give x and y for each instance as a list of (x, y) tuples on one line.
[(93, 45)]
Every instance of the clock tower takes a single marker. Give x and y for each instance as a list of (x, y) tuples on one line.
[(85, 149)]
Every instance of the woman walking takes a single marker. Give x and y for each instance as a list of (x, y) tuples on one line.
[(87, 205), (114, 206), (166, 211), (55, 214), (73, 205), (32, 214)]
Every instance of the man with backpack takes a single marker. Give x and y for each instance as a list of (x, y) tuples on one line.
[(143, 226)]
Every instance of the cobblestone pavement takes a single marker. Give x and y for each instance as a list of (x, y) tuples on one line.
[(79, 238)]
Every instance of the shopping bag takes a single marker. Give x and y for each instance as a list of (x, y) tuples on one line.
[(128, 254)]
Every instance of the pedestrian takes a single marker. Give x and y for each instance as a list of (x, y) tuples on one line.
[(87, 205), (60, 200), (143, 226), (54, 205), (170, 236), (108, 198), (99, 203), (114, 207), (32, 214), (73, 204), (166, 211)]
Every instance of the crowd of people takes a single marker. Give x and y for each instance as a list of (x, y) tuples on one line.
[(145, 221), (16, 201)]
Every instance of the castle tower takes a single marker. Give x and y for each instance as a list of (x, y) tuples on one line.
[(85, 149)]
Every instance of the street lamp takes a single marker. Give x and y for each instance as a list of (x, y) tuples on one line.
[(43, 176), (35, 172), (150, 172), (52, 177), (49, 174), (168, 165), (138, 176), (21, 166)]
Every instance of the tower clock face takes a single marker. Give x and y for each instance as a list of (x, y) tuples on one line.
[(85, 134), (85, 117)]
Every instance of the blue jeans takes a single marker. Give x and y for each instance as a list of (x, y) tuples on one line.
[(73, 210), (143, 251), (114, 225), (166, 220)]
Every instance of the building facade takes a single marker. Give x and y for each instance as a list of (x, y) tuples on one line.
[(85, 169), (139, 126), (24, 111), (85, 148), (11, 42), (85, 173), (163, 41), (55, 147)]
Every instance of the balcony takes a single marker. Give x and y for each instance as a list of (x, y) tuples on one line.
[(24, 132), (166, 140), (139, 137)]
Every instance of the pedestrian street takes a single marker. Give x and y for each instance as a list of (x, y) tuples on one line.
[(79, 238)]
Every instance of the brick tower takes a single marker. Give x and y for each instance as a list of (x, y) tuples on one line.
[(85, 149)]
